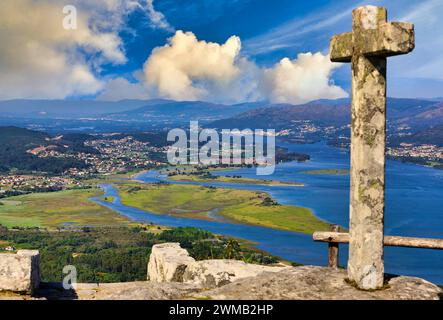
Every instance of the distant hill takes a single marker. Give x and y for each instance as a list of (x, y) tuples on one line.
[(68, 109), (433, 135), (158, 114), (182, 112), (326, 112), (16, 142), (427, 117), (123, 116), (283, 116), (21, 137)]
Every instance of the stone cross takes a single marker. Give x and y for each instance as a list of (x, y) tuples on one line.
[(371, 41)]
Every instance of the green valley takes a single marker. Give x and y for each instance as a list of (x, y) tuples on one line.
[(231, 179), (57, 209), (242, 206)]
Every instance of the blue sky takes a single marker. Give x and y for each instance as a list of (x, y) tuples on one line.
[(113, 58), (217, 20), (254, 21), (293, 27)]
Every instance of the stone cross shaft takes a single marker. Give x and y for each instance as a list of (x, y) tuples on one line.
[(371, 41)]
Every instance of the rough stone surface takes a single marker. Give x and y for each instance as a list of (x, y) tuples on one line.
[(371, 41), (20, 272), (145, 290), (216, 273), (293, 283), (372, 36), (319, 283), (168, 262)]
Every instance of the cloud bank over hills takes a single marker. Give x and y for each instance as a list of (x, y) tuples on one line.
[(190, 69), (176, 68), (199, 50), (41, 59)]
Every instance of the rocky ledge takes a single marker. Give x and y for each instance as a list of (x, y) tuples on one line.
[(170, 263), (173, 274)]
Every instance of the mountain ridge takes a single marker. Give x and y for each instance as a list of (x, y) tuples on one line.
[(329, 112)]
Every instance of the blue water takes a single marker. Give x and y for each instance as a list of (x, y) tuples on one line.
[(414, 202)]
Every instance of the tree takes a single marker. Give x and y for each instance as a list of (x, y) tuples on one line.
[(232, 249)]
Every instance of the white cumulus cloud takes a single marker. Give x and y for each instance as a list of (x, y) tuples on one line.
[(301, 80), (190, 69), (180, 69), (41, 59)]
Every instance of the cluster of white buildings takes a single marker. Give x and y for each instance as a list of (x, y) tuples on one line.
[(30, 183), (114, 155), (427, 151)]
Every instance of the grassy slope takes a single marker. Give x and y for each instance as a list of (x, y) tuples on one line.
[(55, 208), (199, 178), (239, 205)]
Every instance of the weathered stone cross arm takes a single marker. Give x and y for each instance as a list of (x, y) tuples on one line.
[(373, 37)]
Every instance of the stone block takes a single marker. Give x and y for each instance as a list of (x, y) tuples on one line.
[(20, 272), (168, 262)]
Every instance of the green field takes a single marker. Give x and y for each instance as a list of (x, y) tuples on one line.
[(239, 180), (242, 206), (327, 171), (57, 209), (73, 207), (193, 168)]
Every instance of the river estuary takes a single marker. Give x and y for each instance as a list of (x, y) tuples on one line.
[(414, 207)]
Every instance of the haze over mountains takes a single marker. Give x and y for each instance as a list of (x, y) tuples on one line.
[(64, 108), (408, 120), (334, 112), (421, 117), (404, 110), (182, 112), (126, 110)]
